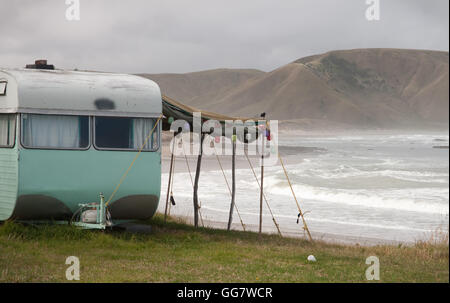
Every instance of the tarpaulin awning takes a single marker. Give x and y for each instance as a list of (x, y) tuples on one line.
[(179, 111)]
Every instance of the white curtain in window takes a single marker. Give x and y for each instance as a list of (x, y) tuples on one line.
[(51, 131), (140, 129), (6, 130)]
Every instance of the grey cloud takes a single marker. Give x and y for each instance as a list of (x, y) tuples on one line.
[(183, 36)]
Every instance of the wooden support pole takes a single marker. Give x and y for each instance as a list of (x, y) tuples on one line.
[(261, 194), (197, 177), (171, 183), (233, 182), (170, 178)]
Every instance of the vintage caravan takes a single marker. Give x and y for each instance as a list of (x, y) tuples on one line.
[(66, 136)]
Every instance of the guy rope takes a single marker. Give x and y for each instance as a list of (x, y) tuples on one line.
[(134, 161), (265, 199), (301, 214)]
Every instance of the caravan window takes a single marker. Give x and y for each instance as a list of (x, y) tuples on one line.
[(3, 87), (118, 133), (7, 130), (55, 131)]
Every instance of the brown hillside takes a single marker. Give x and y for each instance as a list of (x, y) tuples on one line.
[(198, 88), (364, 87)]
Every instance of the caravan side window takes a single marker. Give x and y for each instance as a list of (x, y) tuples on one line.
[(7, 130), (3, 84), (55, 131), (123, 133)]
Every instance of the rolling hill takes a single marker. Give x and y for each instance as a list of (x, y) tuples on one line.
[(370, 88), (199, 88)]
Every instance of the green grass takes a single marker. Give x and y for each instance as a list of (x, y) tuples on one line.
[(176, 252)]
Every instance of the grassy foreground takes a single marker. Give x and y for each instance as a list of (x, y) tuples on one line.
[(176, 252)]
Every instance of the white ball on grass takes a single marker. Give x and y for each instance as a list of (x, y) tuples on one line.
[(311, 258)]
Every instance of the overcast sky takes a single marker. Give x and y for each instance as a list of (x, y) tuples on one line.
[(190, 35)]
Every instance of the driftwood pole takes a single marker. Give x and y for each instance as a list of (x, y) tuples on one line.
[(197, 177), (170, 179), (233, 180), (261, 194)]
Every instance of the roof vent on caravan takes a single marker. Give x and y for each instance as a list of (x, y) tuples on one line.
[(40, 64)]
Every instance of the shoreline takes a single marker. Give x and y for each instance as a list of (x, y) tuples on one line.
[(291, 155)]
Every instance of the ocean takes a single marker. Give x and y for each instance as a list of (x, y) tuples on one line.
[(371, 188)]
